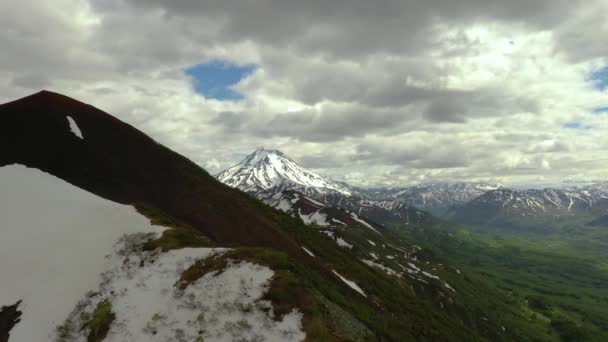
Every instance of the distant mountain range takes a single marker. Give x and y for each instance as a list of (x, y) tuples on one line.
[(436, 198), (527, 209), (266, 173)]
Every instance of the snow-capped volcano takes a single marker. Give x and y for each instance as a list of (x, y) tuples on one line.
[(268, 174), (266, 169)]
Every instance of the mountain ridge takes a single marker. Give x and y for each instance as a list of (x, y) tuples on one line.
[(509, 207), (436, 198), (118, 162)]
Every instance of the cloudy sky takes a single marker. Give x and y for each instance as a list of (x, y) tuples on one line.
[(387, 92)]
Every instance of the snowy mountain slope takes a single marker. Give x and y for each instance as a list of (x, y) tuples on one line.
[(54, 239), (372, 243), (384, 212), (271, 169), (311, 211), (596, 191), (352, 229), (52, 259), (437, 198), (141, 289)]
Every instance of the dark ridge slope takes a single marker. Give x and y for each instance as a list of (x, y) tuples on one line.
[(120, 163), (9, 317)]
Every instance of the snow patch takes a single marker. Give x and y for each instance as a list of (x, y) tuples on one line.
[(430, 275), (414, 267), (307, 251), (371, 242), (328, 233), (316, 217), (385, 269), (350, 283), (343, 243), (448, 286), (74, 127), (338, 221), (54, 239), (284, 205), (315, 202), (356, 218), (220, 306)]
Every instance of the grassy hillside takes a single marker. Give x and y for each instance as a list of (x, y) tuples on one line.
[(558, 283), (393, 308)]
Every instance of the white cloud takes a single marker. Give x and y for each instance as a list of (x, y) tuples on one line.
[(385, 93)]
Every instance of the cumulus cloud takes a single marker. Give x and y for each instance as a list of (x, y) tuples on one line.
[(376, 93)]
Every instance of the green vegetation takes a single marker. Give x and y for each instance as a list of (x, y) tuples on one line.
[(176, 238), (557, 282), (99, 323), (288, 288), (503, 292), (391, 311), (178, 235)]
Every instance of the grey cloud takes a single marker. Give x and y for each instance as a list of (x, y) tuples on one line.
[(331, 123), (103, 90), (231, 121), (31, 81), (573, 38), (521, 136), (38, 41), (458, 106), (352, 27), (391, 85), (416, 155), (325, 160)]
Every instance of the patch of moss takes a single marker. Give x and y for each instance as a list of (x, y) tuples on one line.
[(179, 235), (156, 216), (345, 325), (214, 263), (100, 321), (177, 238), (288, 288)]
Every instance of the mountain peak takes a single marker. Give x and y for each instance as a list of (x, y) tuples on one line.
[(262, 154), (264, 169)]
